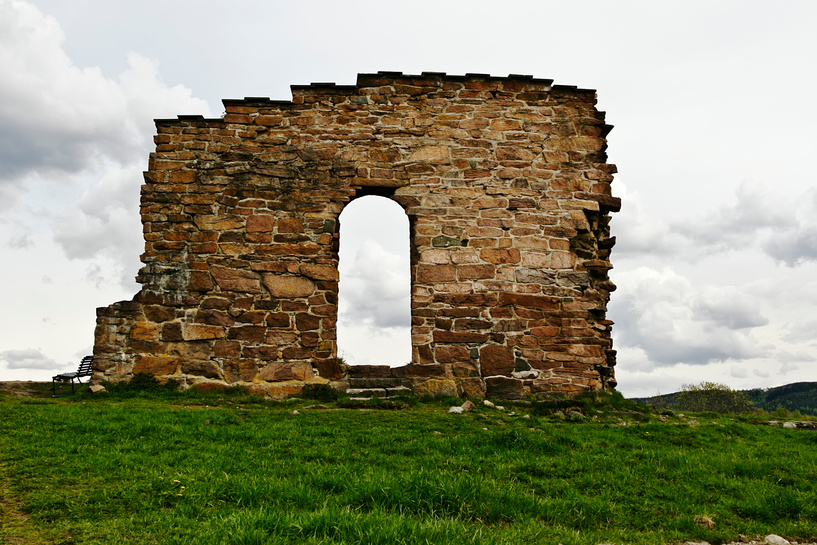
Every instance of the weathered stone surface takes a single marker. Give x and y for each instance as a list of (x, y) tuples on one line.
[(436, 387), (207, 369), (157, 313), (240, 371), (258, 223), (452, 354), (144, 331), (320, 272), (328, 368), (412, 371), (510, 248), (431, 154), (275, 372), (198, 332), (495, 359), (436, 273), (500, 255), (199, 281), (218, 223), (172, 332), (236, 280), (288, 287), (370, 371), (471, 387), (504, 388), (157, 365)]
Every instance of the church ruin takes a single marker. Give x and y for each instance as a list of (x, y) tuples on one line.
[(507, 190)]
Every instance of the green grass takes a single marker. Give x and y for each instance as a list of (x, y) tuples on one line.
[(160, 467)]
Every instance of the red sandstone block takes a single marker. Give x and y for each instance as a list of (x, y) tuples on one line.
[(469, 324), (500, 255), (560, 356), (278, 319), (214, 317), (545, 331), (269, 120), (250, 317), (431, 370), (436, 273), (495, 359), (157, 365), (441, 336), (164, 164), (477, 123), (237, 280), (226, 349), (473, 272), (157, 313), (467, 300), (296, 353), (504, 388), (307, 322), (452, 354), (529, 301), (290, 225), (328, 368), (464, 370), (260, 223), (459, 312), (239, 370), (592, 351), (251, 333), (369, 371), (515, 153)]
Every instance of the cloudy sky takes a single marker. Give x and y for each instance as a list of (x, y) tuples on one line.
[(713, 104)]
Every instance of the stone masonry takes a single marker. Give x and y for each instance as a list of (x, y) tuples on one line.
[(507, 191)]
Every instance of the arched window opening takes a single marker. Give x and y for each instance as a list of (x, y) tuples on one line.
[(374, 300)]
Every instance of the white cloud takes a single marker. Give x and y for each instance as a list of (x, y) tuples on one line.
[(673, 322), (638, 232), (20, 242), (783, 226), (374, 308), (28, 359), (728, 307), (375, 288), (75, 127), (739, 372), (737, 225), (56, 117), (105, 223), (798, 244)]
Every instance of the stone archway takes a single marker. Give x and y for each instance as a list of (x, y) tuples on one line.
[(508, 190), (374, 299)]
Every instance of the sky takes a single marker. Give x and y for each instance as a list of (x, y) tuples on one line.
[(712, 103)]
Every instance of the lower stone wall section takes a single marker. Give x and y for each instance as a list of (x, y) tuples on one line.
[(125, 324)]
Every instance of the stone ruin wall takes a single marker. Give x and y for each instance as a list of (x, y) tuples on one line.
[(507, 191)]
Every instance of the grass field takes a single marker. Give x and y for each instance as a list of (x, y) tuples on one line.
[(232, 469)]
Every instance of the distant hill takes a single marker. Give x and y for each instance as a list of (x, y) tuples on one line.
[(798, 396)]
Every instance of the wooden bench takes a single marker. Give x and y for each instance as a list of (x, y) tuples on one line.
[(85, 369)]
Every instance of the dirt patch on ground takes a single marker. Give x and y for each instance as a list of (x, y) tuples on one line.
[(25, 388)]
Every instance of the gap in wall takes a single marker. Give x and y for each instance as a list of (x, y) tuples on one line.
[(374, 300)]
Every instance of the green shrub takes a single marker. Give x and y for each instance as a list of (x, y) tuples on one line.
[(714, 398)]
